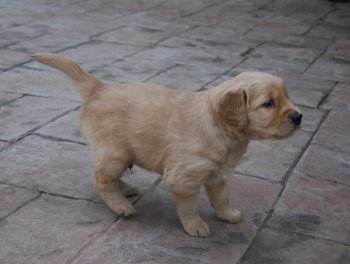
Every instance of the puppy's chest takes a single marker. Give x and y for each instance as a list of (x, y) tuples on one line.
[(222, 172)]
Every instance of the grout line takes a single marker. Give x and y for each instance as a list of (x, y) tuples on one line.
[(43, 192), (255, 176), (11, 101), (41, 125), (20, 206), (325, 97), (56, 139), (284, 183), (306, 235)]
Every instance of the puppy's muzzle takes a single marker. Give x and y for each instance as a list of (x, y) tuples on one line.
[(296, 118)]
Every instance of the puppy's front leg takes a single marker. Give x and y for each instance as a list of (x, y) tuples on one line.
[(187, 206), (219, 198)]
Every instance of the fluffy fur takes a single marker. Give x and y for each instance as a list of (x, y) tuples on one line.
[(191, 138)]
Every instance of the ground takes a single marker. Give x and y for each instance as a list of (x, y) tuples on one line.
[(294, 194)]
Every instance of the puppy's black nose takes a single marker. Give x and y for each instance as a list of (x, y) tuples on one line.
[(296, 118)]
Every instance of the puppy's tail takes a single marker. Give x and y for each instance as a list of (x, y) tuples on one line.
[(83, 81)]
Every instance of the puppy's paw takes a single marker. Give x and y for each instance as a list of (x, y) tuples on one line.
[(197, 227), (121, 206), (232, 216), (128, 189)]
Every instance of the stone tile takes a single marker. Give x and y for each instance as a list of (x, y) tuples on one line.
[(58, 167), (104, 53), (132, 70), (283, 24), (314, 207), (48, 43), (327, 32), (287, 39), (339, 50), (201, 58), (27, 113), (10, 58), (218, 37), (12, 198), (23, 32), (277, 57), (273, 246), (179, 42), (338, 99), (65, 127), (187, 77), (6, 97), (142, 35), (272, 159), (156, 236), (338, 18), (49, 82), (330, 70), (3, 145), (334, 132), (51, 230), (329, 157)]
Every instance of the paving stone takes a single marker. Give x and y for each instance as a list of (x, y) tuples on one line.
[(27, 113), (314, 207), (179, 42), (330, 70), (65, 127), (186, 77), (104, 54), (49, 82), (288, 39), (6, 97), (339, 98), (3, 145), (334, 132), (12, 198), (132, 70), (329, 155), (48, 43), (273, 246), (58, 167), (10, 58), (327, 32), (340, 50), (142, 35), (272, 159), (219, 37), (23, 32), (155, 235), (283, 24), (274, 56), (338, 18), (200, 58), (51, 230)]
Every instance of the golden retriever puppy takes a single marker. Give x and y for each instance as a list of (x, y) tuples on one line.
[(191, 138)]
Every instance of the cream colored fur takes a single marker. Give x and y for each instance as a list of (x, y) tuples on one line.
[(191, 138)]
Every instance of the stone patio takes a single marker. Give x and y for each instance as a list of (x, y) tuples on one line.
[(295, 194)]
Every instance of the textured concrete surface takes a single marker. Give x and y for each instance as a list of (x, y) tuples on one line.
[(294, 194)]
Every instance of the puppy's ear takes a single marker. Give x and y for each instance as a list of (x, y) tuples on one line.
[(232, 108)]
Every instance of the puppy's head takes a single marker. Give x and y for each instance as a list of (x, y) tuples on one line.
[(255, 105)]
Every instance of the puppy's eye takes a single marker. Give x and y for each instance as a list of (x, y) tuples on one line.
[(269, 103)]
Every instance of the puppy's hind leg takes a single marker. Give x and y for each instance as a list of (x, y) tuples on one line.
[(108, 172)]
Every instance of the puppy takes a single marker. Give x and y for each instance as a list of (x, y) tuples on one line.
[(191, 138)]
